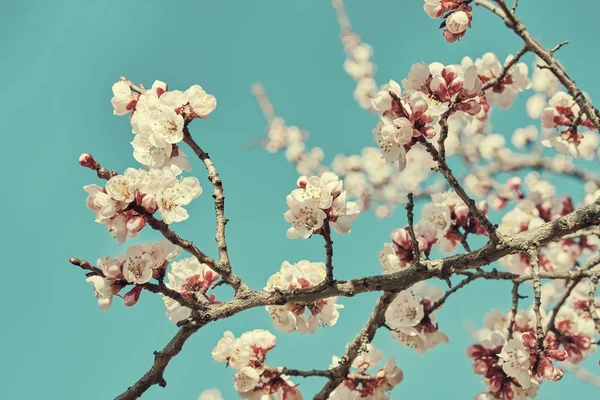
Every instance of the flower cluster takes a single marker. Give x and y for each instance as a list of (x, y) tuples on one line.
[(457, 16), (253, 379), (537, 205), (140, 263), (292, 317), (158, 118), (193, 280), (444, 222), (363, 385), (431, 91), (563, 111), (504, 92), (503, 362), (358, 64), (515, 366), (411, 318), (125, 200), (573, 331), (319, 199), (400, 254)]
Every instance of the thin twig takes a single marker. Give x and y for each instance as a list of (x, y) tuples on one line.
[(537, 302), (329, 279), (513, 308), (453, 182), (411, 228), (224, 266), (592, 302), (558, 46), (151, 287), (550, 326)]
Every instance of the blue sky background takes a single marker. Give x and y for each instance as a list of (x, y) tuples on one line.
[(59, 60)]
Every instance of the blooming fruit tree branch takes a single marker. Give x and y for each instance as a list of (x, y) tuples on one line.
[(434, 120)]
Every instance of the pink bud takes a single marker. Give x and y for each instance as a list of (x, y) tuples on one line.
[(475, 351), (301, 182), (132, 296), (529, 340), (548, 371), (508, 392), (450, 72), (558, 354), (483, 206), (86, 160), (401, 237), (136, 223), (514, 183), (480, 367), (462, 214), (149, 203), (451, 37), (428, 131), (471, 107), (438, 86)]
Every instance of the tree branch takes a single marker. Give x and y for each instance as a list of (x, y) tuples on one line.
[(592, 302), (411, 228), (547, 56), (354, 348), (155, 376), (329, 279), (224, 266)]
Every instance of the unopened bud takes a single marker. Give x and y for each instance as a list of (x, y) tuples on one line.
[(86, 160), (132, 297)]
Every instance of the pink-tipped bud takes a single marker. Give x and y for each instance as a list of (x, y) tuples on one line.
[(301, 182), (149, 203), (136, 223), (428, 131), (514, 183), (132, 297), (86, 160)]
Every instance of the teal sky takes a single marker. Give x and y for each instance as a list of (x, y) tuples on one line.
[(59, 60)]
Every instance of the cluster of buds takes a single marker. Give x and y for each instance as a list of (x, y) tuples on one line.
[(253, 379), (316, 200), (364, 385), (292, 317), (457, 16)]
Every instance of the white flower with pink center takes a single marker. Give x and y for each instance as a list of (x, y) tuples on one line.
[(516, 362), (102, 291)]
